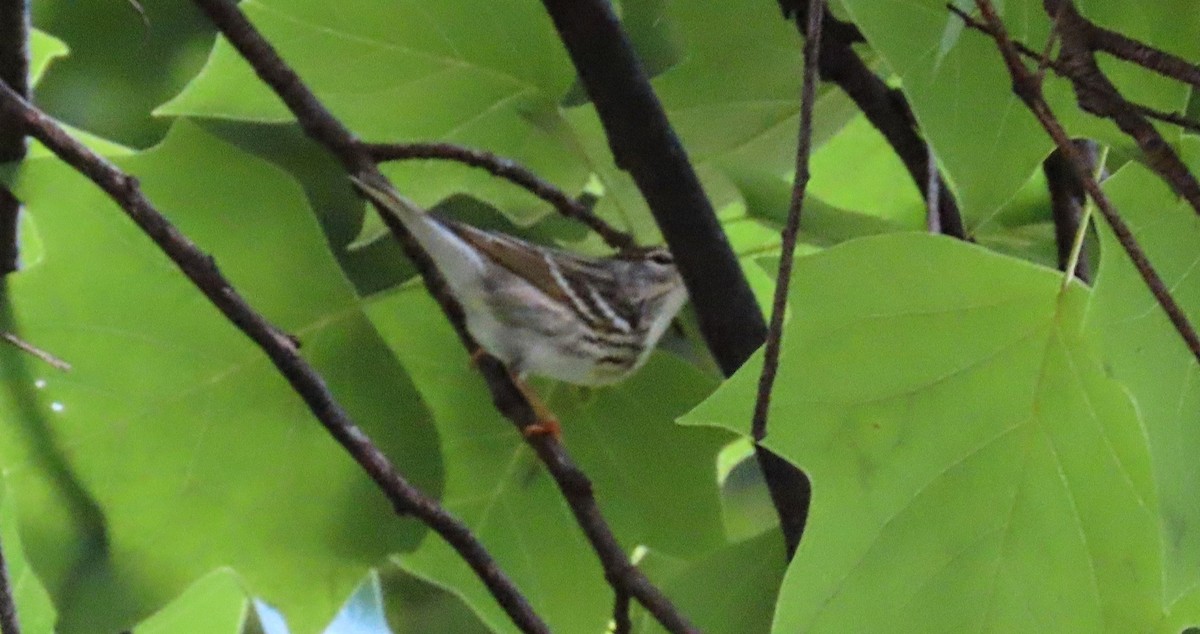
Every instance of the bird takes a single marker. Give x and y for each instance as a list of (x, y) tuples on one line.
[(545, 311)]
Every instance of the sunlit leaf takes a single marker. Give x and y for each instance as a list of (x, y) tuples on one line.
[(973, 467), (1144, 352)]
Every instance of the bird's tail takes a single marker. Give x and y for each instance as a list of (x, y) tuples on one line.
[(459, 263)]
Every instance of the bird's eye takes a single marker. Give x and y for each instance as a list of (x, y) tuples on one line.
[(661, 257)]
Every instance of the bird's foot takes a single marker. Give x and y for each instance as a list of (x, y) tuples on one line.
[(549, 427), (477, 355)]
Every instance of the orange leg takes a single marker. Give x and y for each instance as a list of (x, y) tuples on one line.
[(547, 422), (476, 355)]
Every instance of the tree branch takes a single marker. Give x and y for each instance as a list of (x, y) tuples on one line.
[(886, 108), (282, 350), (790, 503), (1131, 50), (1173, 118), (621, 622), (509, 170), (1097, 95), (1029, 89), (14, 71), (321, 125), (644, 144)]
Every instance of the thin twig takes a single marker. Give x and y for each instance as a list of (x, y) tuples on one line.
[(35, 351), (201, 269), (1173, 118), (1148, 57), (507, 169), (791, 229), (1029, 90), (621, 622), (509, 400), (885, 107)]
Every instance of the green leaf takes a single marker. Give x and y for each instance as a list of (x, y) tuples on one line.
[(172, 428), (43, 49), (35, 611), (973, 467), (125, 59), (1143, 351), (215, 604), (621, 436), (487, 76), (753, 568), (878, 185)]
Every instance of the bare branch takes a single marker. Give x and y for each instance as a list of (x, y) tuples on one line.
[(1131, 50), (279, 347), (1026, 86), (790, 502), (621, 622), (886, 108), (509, 170), (1097, 95)]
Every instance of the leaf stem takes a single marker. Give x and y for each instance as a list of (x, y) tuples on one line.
[(1084, 219)]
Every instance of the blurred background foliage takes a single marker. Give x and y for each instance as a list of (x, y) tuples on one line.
[(177, 522)]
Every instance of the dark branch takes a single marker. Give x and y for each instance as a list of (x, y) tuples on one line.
[(789, 494), (1097, 95), (14, 71), (279, 347), (509, 170), (509, 400), (1131, 50), (1067, 198), (1026, 86), (886, 108), (644, 144), (1173, 118), (621, 622)]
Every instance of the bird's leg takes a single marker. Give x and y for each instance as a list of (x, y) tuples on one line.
[(547, 422), (476, 355)]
